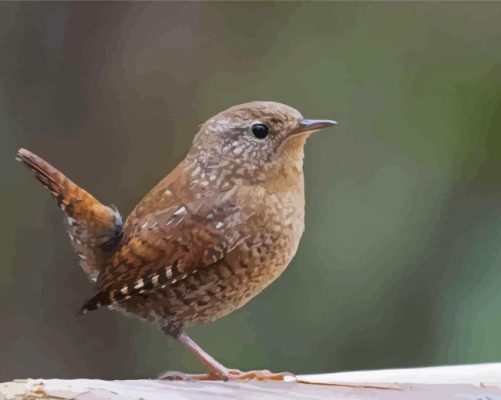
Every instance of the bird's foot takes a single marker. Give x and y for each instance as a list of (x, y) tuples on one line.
[(231, 375), (262, 375)]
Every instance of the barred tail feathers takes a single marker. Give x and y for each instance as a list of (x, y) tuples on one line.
[(94, 228)]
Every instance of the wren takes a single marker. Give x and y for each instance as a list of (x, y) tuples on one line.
[(216, 231)]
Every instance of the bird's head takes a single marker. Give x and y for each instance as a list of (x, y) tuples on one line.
[(251, 141)]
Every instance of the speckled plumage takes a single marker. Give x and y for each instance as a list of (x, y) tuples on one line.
[(217, 230)]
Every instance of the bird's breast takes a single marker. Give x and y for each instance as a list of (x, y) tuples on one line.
[(275, 223)]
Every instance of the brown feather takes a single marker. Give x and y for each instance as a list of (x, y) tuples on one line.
[(171, 245), (94, 228)]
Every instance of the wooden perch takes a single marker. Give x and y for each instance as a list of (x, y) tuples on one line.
[(475, 382)]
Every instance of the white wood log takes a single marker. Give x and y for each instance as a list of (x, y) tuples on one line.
[(475, 382)]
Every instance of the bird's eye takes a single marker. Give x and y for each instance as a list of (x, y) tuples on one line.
[(260, 130)]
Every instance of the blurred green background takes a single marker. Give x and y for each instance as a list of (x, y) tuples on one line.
[(400, 263)]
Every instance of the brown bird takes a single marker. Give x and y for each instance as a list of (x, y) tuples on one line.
[(216, 231)]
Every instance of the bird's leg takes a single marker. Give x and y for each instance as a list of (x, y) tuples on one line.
[(217, 371), (215, 368)]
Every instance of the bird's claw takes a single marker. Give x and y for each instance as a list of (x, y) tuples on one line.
[(261, 375), (230, 375)]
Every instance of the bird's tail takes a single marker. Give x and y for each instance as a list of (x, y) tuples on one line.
[(94, 228)]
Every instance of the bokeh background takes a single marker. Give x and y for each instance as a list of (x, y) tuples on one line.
[(400, 264)]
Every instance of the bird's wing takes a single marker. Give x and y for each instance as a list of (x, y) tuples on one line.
[(167, 246)]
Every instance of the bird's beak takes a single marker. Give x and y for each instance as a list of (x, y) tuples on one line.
[(312, 125)]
